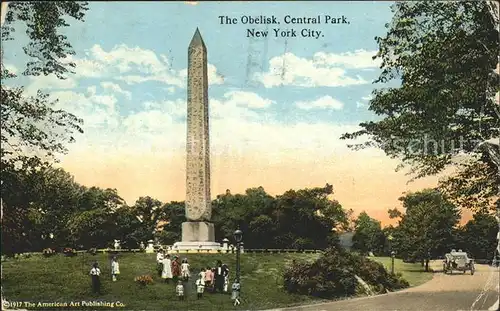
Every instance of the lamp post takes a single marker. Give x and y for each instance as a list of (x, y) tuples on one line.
[(238, 237), (393, 254)]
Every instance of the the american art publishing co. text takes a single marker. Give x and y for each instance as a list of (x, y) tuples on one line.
[(70, 304)]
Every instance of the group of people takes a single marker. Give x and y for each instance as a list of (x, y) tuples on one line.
[(171, 269), (208, 279), (215, 279), (95, 274)]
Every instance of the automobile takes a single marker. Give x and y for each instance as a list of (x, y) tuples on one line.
[(458, 261)]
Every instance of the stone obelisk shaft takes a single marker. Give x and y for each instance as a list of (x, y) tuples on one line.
[(198, 205)]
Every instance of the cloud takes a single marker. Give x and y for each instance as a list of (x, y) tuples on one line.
[(170, 89), (11, 68), (325, 102), (324, 69), (116, 88), (97, 111), (50, 82), (359, 59), (247, 99), (363, 103), (240, 125), (134, 65)]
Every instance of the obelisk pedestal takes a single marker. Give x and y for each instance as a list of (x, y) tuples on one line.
[(197, 232)]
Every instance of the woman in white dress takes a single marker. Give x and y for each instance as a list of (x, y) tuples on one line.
[(115, 268), (166, 274), (185, 269), (159, 261)]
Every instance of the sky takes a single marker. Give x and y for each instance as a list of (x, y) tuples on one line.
[(278, 105)]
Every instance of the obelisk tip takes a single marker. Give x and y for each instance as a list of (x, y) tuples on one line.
[(197, 39)]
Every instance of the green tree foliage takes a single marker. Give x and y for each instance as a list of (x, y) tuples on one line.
[(128, 227), (92, 225), (149, 211), (36, 203), (444, 55), (31, 128), (368, 235), (427, 226), (284, 221), (47, 208), (333, 275), (175, 215), (474, 186), (478, 236), (47, 202)]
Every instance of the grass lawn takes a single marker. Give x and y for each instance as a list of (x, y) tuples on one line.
[(65, 279), (412, 272)]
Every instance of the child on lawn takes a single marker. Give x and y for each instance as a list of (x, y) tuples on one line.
[(179, 289), (200, 286), (185, 269), (115, 268), (95, 272)]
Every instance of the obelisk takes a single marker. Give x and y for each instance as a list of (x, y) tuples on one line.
[(197, 232)]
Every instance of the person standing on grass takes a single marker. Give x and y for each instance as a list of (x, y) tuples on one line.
[(226, 277), (159, 261), (95, 272), (200, 285), (185, 269), (209, 277), (115, 268), (166, 274), (202, 275), (179, 289), (176, 269), (219, 277)]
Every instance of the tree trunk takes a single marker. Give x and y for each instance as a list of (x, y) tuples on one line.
[(427, 265)]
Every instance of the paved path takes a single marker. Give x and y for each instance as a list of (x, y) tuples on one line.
[(443, 293)]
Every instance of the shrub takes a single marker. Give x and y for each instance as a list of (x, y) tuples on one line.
[(92, 251), (47, 252), (334, 275), (144, 280)]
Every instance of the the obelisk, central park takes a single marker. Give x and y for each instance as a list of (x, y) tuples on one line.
[(197, 232)]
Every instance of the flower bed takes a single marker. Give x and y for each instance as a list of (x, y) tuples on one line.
[(144, 280)]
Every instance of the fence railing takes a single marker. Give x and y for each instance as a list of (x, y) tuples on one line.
[(196, 251)]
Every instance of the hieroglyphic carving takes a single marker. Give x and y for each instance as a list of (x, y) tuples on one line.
[(198, 202)]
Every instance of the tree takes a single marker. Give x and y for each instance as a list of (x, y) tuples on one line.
[(474, 185), (280, 222), (127, 227), (30, 126), (93, 224), (368, 235), (38, 204), (444, 55), (478, 236), (174, 213), (426, 230), (149, 211)]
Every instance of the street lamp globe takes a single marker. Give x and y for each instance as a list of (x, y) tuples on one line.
[(238, 236), (393, 253)]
